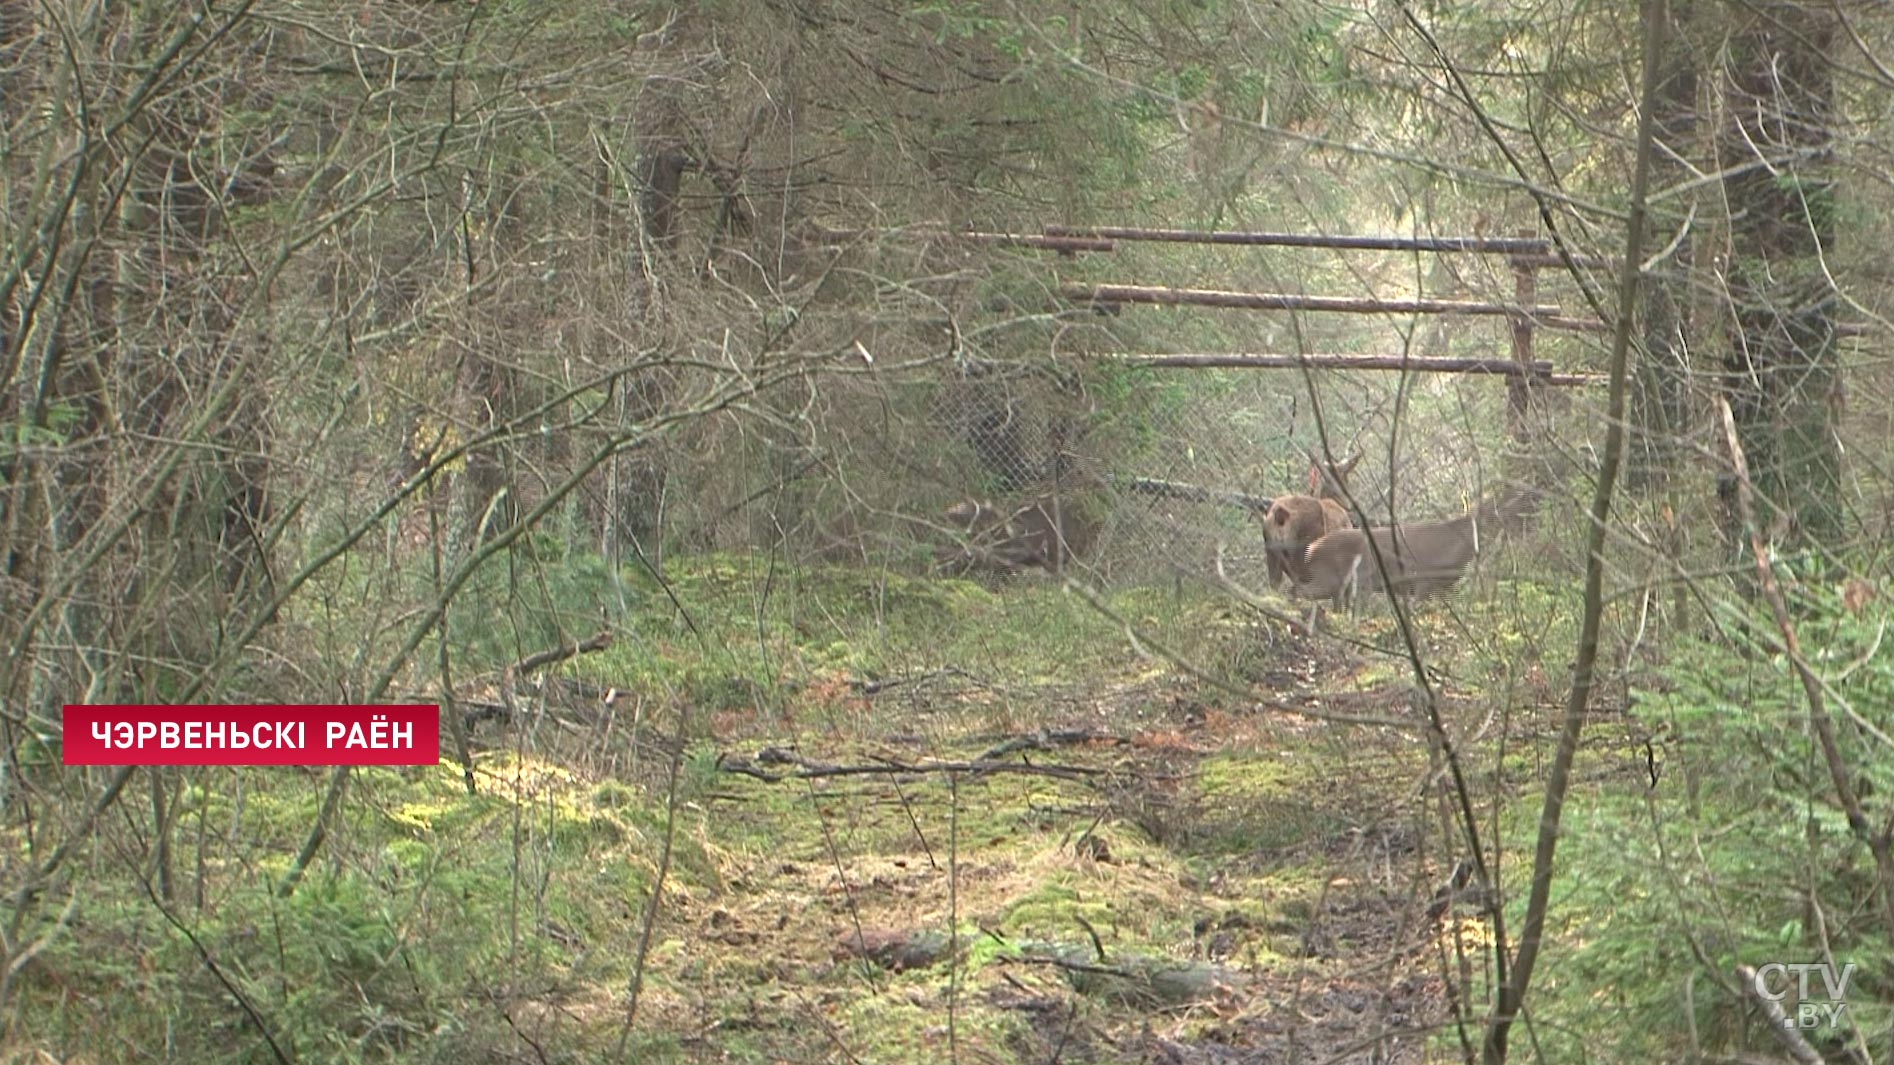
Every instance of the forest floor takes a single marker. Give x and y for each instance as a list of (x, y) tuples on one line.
[(910, 820), (1001, 851), (1147, 875)]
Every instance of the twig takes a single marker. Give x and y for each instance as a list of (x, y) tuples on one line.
[(953, 918), (915, 823), (20, 958), (539, 659), (1046, 739), (654, 906), (1812, 687), (1779, 1022), (1153, 486), (1251, 599), (1074, 966), (1097, 945), (876, 687), (249, 1008), (808, 769)]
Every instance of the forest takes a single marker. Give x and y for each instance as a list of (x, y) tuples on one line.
[(1192, 532)]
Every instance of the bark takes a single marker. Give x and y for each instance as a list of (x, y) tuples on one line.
[(663, 181), (1781, 375), (1659, 394)]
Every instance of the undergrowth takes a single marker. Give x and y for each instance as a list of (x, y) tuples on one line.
[(1259, 852)]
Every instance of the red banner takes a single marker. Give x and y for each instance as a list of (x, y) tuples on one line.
[(266, 734)]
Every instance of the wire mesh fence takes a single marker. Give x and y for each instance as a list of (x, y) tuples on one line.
[(976, 424), (1144, 475)]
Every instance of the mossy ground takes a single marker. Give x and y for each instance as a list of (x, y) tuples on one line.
[(1283, 857)]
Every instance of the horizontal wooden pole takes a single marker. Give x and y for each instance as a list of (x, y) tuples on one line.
[(1283, 301), (1540, 371), (1417, 363), (1499, 245), (1575, 325), (1035, 240), (1021, 240)]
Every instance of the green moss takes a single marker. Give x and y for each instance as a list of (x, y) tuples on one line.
[(1048, 910), (910, 1025), (1251, 804)]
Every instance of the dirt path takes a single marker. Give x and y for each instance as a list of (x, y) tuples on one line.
[(1198, 881)]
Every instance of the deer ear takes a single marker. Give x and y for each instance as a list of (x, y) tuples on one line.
[(1348, 467)]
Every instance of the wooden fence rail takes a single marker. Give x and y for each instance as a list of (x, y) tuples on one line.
[(1540, 371), (1486, 245), (1050, 241), (1284, 301)]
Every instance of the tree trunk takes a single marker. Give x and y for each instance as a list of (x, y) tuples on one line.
[(1781, 374), (1659, 405)]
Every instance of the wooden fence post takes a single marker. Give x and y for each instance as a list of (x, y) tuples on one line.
[(1519, 387)]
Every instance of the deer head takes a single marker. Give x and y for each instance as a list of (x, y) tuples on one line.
[(1291, 525), (1330, 480), (1293, 522), (1046, 534)]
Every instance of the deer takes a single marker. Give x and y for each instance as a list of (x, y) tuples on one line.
[(1044, 534), (1294, 522), (1421, 558)]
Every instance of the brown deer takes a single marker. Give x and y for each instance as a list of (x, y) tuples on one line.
[(1422, 558), (984, 540), (1294, 522), (1048, 534)]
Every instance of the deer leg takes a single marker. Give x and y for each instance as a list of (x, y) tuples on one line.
[(1350, 590)]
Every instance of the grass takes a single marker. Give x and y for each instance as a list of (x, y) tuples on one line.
[(1279, 855)]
